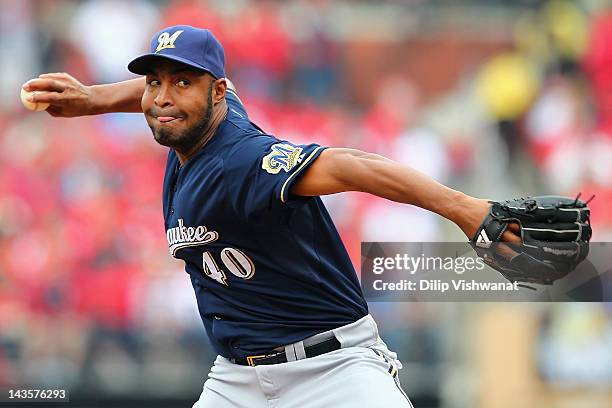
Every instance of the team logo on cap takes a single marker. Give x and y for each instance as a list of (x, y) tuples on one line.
[(283, 157), (166, 40)]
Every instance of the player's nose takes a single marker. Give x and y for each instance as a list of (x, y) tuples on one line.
[(163, 97)]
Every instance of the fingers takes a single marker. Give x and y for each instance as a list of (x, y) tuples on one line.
[(507, 252), (514, 227), (54, 81), (511, 236), (47, 97), (44, 84), (58, 75)]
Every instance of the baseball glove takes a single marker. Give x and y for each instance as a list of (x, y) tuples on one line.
[(555, 233)]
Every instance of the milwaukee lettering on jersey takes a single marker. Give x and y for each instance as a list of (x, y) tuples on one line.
[(182, 236)]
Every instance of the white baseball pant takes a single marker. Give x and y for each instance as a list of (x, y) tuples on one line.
[(362, 373)]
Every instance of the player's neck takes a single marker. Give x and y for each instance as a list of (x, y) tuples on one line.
[(218, 115)]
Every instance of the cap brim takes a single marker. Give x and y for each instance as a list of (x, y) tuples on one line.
[(142, 65)]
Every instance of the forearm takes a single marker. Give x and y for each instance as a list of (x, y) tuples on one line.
[(338, 170), (118, 97), (377, 175)]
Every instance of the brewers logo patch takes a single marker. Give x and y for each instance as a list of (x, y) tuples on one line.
[(282, 157)]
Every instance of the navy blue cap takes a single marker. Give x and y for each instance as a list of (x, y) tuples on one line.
[(192, 46)]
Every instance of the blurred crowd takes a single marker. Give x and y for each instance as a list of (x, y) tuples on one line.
[(89, 295)]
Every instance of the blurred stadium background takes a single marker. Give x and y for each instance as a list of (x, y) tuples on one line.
[(496, 98)]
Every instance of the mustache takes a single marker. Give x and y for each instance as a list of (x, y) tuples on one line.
[(160, 112)]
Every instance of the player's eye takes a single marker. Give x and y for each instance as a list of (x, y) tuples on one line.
[(152, 82), (182, 83)]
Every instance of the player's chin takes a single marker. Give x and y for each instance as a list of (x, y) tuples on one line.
[(165, 137)]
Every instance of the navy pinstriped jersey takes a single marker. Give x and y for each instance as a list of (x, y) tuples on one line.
[(268, 269)]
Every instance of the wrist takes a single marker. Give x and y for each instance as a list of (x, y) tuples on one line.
[(469, 213), (95, 100), (455, 206), (465, 211)]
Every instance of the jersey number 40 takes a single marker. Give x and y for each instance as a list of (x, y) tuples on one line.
[(234, 260)]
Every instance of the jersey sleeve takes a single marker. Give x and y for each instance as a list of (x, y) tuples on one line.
[(234, 103), (261, 171)]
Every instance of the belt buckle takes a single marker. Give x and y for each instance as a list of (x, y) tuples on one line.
[(251, 359)]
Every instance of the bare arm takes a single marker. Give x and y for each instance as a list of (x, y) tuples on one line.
[(119, 97), (69, 97), (337, 170)]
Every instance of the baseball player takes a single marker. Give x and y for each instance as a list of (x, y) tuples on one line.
[(276, 290)]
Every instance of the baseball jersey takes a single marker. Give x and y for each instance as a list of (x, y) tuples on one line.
[(268, 268)]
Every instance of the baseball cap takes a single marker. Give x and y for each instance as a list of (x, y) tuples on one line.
[(196, 47)]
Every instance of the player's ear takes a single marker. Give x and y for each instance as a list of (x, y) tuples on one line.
[(218, 90)]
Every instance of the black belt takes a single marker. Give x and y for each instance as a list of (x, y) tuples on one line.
[(281, 357)]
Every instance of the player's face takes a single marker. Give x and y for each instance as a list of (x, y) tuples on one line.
[(177, 103)]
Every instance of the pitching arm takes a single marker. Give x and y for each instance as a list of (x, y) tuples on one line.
[(68, 97), (339, 169)]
